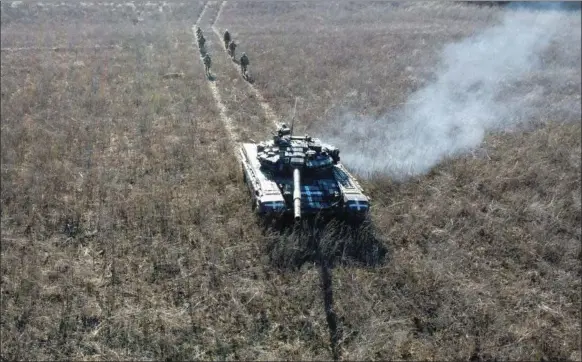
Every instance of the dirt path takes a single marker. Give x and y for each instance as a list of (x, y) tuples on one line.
[(202, 14), (271, 116), (226, 120)]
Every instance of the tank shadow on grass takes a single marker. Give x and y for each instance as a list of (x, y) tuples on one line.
[(289, 245), (326, 243)]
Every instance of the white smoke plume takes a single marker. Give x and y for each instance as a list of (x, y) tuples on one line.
[(484, 83)]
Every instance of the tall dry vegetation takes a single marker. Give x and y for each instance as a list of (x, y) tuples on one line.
[(366, 57), (125, 227)]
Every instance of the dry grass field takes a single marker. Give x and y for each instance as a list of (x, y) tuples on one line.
[(125, 226)]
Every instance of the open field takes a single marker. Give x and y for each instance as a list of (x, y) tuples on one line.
[(125, 225)]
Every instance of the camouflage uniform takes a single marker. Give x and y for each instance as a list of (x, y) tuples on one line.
[(244, 62), (231, 49), (207, 63), (226, 39)]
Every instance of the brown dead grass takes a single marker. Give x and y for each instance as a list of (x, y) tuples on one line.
[(126, 231)]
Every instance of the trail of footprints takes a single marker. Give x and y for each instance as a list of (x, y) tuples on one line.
[(262, 102), (226, 120)]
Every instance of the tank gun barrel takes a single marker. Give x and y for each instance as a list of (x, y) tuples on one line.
[(296, 194)]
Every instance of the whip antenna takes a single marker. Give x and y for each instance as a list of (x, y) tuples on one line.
[(293, 117)]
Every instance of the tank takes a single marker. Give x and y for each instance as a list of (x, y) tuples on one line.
[(300, 176)]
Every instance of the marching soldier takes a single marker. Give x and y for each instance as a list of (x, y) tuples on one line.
[(226, 39), (201, 42), (244, 62), (231, 49), (207, 63)]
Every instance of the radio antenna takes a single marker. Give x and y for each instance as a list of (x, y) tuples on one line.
[(293, 117)]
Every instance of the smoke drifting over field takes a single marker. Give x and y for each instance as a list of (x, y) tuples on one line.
[(525, 69)]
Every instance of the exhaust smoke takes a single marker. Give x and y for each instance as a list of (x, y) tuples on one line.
[(525, 69)]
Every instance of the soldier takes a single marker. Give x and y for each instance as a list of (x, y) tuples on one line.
[(201, 42), (226, 39), (244, 62), (207, 63), (231, 49)]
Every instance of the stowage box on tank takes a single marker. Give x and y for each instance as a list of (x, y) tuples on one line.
[(300, 176)]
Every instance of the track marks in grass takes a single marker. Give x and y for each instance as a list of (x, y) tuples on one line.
[(226, 120), (271, 116)]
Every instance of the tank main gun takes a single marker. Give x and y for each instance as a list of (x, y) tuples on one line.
[(296, 194)]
